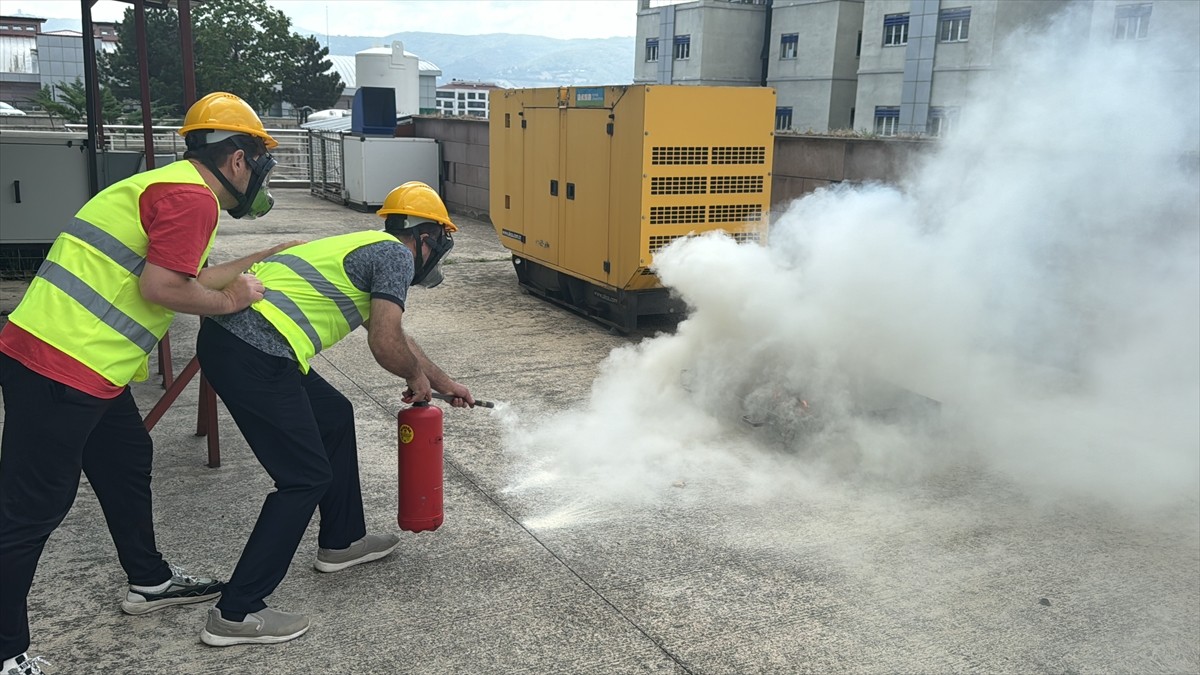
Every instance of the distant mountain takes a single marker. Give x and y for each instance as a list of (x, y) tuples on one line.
[(523, 60)]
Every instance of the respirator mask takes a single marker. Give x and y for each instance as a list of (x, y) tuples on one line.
[(429, 271), (256, 201)]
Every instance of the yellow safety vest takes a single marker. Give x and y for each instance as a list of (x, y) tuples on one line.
[(308, 298), (85, 300)]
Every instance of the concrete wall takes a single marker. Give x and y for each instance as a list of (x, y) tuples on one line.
[(802, 163), (805, 163), (464, 171)]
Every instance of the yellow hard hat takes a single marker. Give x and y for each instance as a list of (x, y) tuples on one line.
[(417, 199), (225, 112)]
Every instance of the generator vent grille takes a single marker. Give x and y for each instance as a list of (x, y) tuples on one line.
[(746, 237), (678, 155), (677, 185), (744, 154), (660, 241), (734, 213), (675, 215), (736, 184)]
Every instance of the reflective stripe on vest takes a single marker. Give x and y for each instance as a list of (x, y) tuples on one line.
[(86, 299), (292, 310), (108, 245), (95, 303), (309, 298), (322, 285)]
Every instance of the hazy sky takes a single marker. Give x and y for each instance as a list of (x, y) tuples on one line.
[(554, 18)]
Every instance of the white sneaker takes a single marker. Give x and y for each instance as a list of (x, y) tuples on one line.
[(23, 665)]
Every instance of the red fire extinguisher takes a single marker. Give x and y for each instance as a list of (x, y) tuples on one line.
[(420, 467)]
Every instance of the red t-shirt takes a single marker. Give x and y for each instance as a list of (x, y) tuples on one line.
[(179, 219)]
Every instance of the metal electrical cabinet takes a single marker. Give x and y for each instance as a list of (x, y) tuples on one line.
[(587, 183), (43, 183), (374, 165)]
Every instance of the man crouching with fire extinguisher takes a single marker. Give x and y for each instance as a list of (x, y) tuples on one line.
[(299, 426)]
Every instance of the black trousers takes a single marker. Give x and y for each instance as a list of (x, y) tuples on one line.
[(301, 430), (51, 431)]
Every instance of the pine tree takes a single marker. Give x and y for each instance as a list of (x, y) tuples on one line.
[(308, 78), (119, 69)]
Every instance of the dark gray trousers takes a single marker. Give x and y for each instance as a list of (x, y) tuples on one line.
[(301, 430), (51, 433)]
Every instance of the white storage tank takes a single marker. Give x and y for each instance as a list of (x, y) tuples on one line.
[(391, 67)]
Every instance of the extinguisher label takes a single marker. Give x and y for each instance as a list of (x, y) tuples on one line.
[(406, 433)]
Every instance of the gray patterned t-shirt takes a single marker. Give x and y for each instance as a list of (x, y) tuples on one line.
[(383, 269)]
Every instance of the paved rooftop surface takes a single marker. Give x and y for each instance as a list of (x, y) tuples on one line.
[(550, 561)]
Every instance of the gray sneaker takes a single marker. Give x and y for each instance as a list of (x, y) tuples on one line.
[(370, 547), (265, 627)]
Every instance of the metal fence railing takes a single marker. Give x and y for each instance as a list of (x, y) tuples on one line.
[(325, 165), (292, 153)]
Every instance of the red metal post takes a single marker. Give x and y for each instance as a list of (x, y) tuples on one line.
[(185, 44)]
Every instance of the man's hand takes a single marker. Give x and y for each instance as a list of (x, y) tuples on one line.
[(243, 291), (462, 395), (418, 389), (279, 247)]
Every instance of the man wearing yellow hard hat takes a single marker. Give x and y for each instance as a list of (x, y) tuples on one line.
[(110, 286), (299, 426)]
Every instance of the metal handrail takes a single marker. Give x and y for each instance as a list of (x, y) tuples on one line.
[(292, 152)]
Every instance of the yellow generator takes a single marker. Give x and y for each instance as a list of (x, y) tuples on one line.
[(588, 182)]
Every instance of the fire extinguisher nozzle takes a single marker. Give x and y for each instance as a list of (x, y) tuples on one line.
[(450, 399)]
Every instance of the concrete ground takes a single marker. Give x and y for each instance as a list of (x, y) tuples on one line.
[(542, 581)]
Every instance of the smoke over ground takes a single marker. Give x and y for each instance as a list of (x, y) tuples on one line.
[(1038, 276)]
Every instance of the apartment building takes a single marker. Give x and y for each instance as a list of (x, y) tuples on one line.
[(884, 66), (922, 59), (464, 98), (31, 58)]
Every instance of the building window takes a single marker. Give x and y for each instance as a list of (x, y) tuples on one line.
[(683, 47), (858, 46), (1132, 22), (783, 118), (651, 50), (942, 121), (895, 30), (787, 45), (887, 120), (954, 24)]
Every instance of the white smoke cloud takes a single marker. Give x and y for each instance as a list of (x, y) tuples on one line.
[(1038, 275)]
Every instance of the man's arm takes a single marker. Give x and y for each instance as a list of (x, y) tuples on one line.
[(181, 293), (396, 351), (438, 379), (217, 277), (389, 346)]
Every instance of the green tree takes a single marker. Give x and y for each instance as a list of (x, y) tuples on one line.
[(245, 47), (307, 78), (71, 102), (240, 47), (119, 69)]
